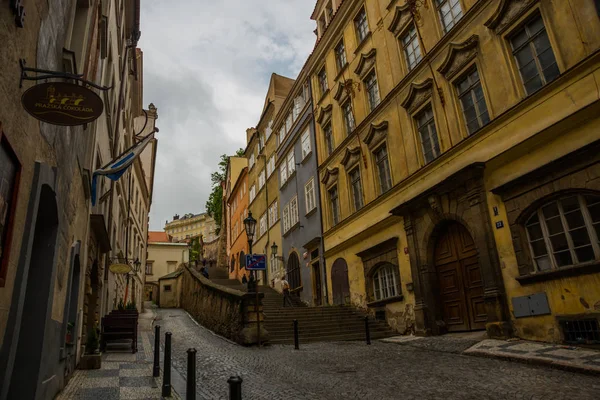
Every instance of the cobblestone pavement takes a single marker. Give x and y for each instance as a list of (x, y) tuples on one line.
[(351, 370), (123, 375)]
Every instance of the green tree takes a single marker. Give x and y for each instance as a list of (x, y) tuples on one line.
[(195, 249), (214, 204)]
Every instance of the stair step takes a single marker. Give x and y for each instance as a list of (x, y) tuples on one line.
[(322, 332), (330, 338)]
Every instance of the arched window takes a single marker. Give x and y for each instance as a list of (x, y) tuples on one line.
[(565, 232), (386, 282), (232, 268)]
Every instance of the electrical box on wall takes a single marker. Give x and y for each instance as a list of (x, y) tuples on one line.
[(529, 306)]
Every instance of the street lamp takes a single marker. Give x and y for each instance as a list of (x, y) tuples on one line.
[(250, 226)]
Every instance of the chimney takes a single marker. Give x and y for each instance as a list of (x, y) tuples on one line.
[(175, 217), (249, 133)]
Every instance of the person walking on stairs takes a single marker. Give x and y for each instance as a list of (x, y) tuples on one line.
[(286, 292)]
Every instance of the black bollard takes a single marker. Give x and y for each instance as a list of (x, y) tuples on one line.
[(296, 342), (156, 370), (235, 388), (367, 331), (190, 391), (166, 387)]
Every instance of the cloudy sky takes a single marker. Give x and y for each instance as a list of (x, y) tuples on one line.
[(207, 66)]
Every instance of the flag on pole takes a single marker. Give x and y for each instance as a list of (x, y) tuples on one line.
[(116, 168)]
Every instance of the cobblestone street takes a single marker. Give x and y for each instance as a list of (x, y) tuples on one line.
[(353, 370)]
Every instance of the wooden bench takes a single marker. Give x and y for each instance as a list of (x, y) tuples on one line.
[(119, 327)]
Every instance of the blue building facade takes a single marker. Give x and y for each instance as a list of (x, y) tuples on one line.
[(300, 212)]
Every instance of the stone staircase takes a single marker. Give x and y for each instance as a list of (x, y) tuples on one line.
[(315, 324)]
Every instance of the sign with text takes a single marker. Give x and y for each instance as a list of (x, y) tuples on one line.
[(256, 262), (61, 103)]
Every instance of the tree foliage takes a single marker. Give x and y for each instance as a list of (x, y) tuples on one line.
[(214, 204)]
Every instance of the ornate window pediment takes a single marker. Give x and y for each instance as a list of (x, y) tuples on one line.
[(418, 93), (367, 60), (507, 12), (351, 157), (459, 55), (377, 133), (341, 94), (330, 176), (324, 114), (402, 18)]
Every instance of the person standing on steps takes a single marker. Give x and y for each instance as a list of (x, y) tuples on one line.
[(286, 292)]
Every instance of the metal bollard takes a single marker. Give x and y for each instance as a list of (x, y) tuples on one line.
[(190, 391), (156, 369), (367, 331), (235, 388), (296, 342), (166, 387)]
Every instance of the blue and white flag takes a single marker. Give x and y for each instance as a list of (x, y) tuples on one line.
[(116, 168)]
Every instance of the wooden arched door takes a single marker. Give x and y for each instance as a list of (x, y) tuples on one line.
[(293, 271), (339, 282), (459, 276)]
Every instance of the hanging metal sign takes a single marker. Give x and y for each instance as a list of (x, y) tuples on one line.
[(120, 269), (61, 103)]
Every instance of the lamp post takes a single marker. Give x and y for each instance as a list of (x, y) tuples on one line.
[(250, 226)]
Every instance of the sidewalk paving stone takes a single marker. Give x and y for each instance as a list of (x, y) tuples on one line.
[(558, 356)]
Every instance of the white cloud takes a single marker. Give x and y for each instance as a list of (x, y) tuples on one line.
[(207, 66)]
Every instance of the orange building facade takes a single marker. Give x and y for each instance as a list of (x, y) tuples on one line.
[(237, 210)]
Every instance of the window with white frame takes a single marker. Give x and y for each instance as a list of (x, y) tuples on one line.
[(372, 90), (282, 134), (252, 193), (251, 161), (534, 55), (565, 232), (283, 173), (450, 12), (412, 50), (305, 139), (348, 116), (261, 179), (310, 197), (472, 101), (273, 214), (285, 216), (291, 163), (289, 121), (322, 77), (340, 55), (386, 282), (294, 211), (362, 25), (428, 135), (271, 166), (299, 103), (263, 224)]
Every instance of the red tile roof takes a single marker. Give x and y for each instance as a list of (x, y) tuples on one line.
[(158, 237)]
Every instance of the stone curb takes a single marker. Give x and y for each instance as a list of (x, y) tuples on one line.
[(534, 361)]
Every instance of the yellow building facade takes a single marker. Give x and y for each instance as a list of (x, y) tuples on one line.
[(456, 143), (263, 183), (192, 225)]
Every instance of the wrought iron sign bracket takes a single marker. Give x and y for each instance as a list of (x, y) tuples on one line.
[(18, 10), (53, 75)]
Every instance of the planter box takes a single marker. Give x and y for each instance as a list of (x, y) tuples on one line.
[(90, 361)]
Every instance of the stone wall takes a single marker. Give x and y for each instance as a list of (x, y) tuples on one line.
[(227, 312)]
